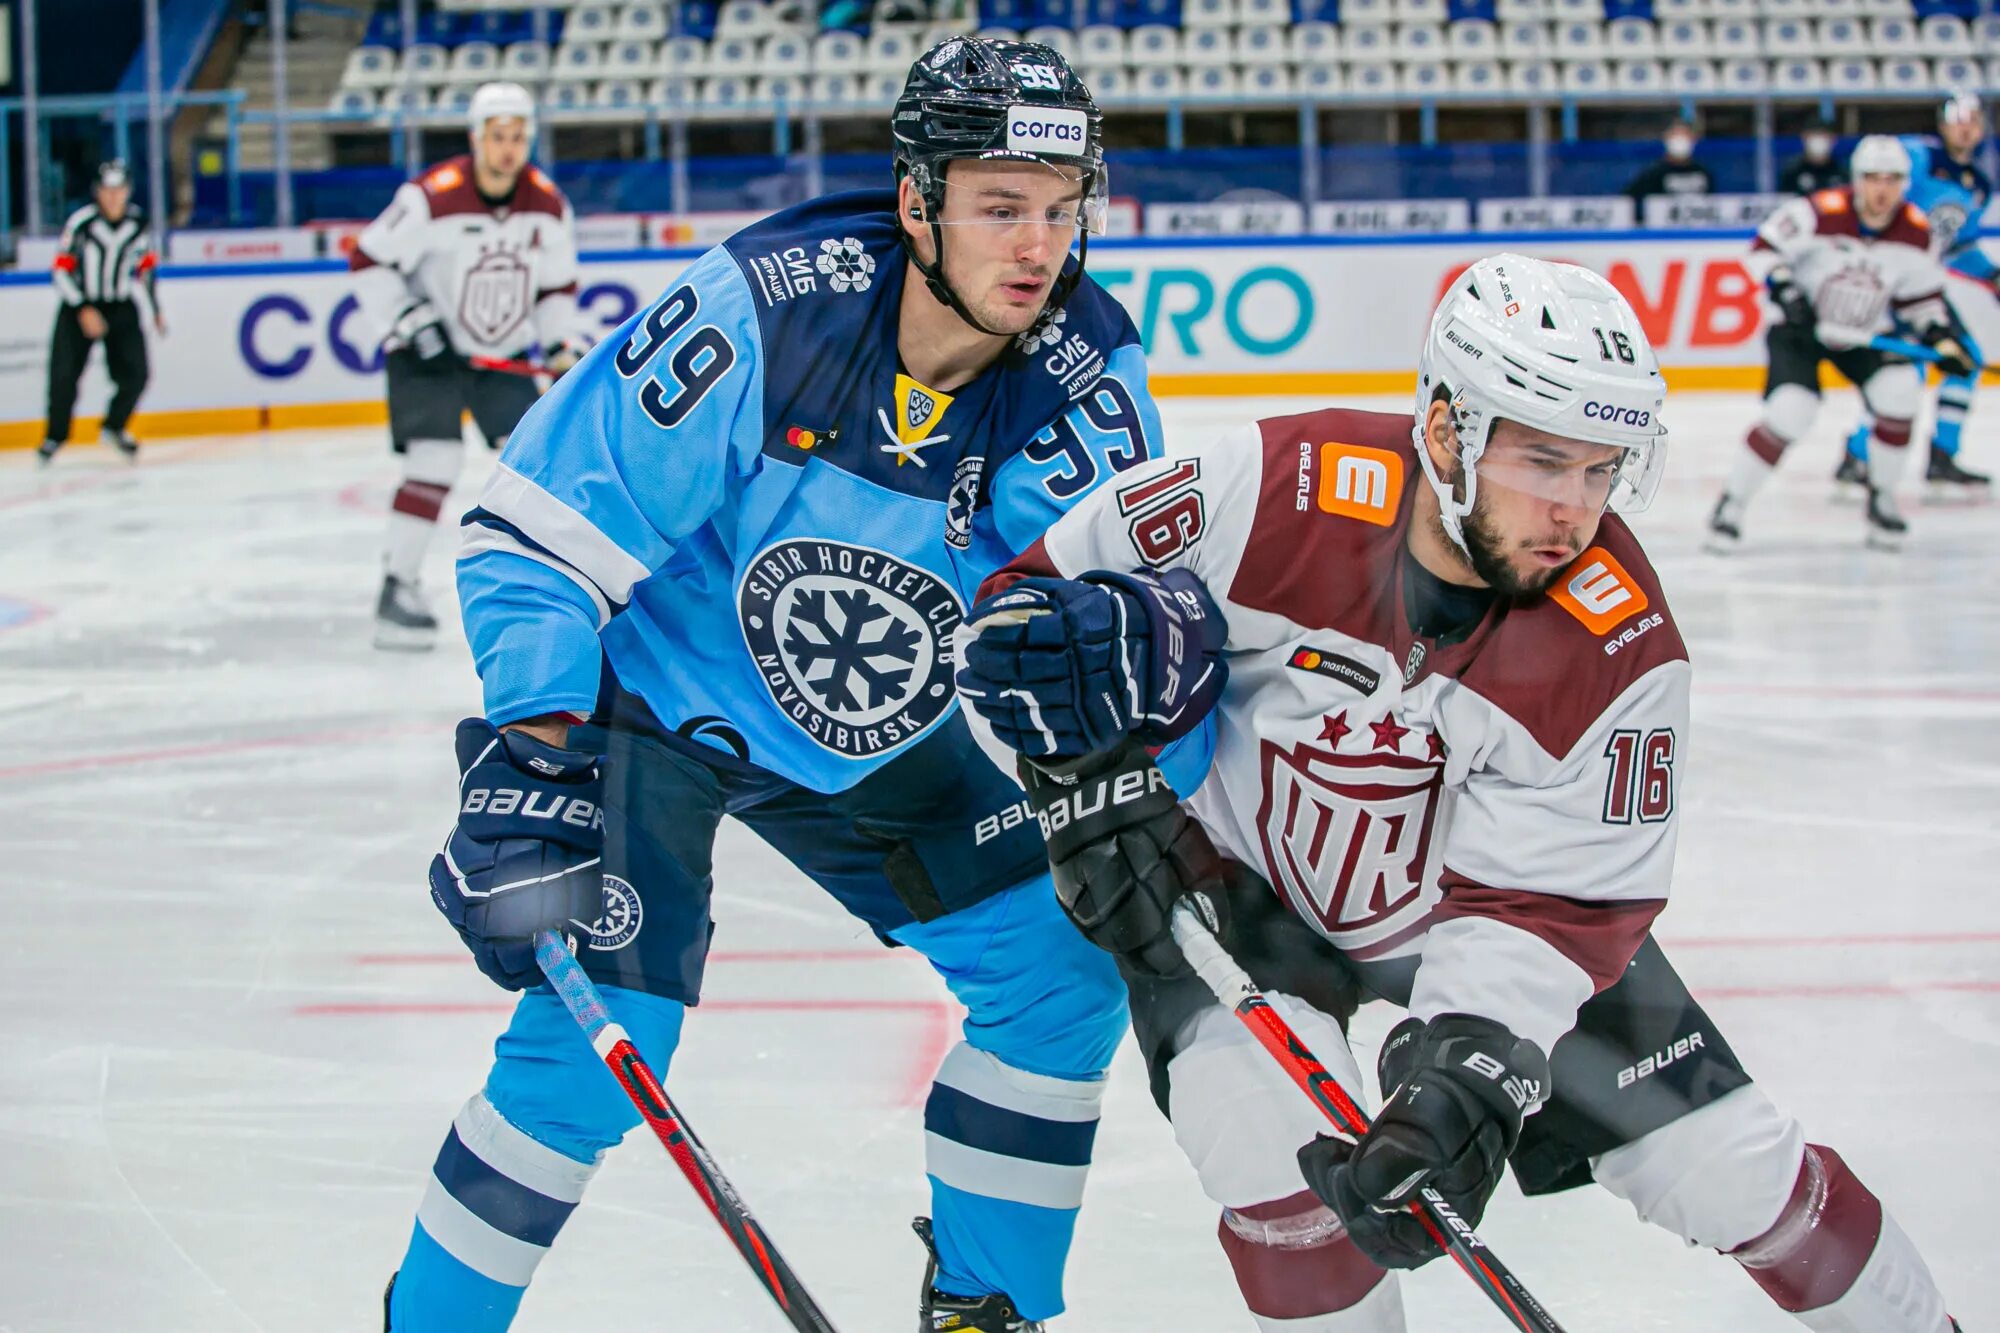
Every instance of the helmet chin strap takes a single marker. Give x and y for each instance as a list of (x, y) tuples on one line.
[(1452, 513)]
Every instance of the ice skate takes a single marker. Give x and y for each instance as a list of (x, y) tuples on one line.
[(1725, 527), (1886, 528), (402, 621), (944, 1313)]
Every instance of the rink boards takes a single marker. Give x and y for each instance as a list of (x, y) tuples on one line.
[(276, 345)]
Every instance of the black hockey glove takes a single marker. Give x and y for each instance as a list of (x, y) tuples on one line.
[(1461, 1086), (1123, 853), (1791, 301), (1952, 358), (420, 329), (527, 852)]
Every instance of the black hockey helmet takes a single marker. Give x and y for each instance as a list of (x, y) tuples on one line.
[(991, 100)]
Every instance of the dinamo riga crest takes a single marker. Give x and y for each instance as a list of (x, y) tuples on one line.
[(1352, 842), (493, 296)]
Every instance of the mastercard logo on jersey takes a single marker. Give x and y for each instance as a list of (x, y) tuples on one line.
[(1597, 590)]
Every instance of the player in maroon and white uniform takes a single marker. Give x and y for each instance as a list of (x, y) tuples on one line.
[(476, 258), (1843, 266), (1436, 706)]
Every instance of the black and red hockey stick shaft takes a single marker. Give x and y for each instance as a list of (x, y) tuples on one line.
[(586, 1005), (510, 366), (1453, 1234)]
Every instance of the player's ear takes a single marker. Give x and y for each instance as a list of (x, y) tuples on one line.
[(910, 208), (1441, 437)]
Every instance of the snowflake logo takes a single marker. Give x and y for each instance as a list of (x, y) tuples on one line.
[(1046, 334), (879, 661), (852, 643), (848, 268)]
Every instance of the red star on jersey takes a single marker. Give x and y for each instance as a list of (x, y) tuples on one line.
[(1334, 728), (1436, 743), (1388, 733)]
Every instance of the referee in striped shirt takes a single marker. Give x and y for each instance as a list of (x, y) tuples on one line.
[(103, 273)]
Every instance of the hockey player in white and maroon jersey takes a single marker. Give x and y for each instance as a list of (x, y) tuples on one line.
[(1428, 705), (474, 260), (1843, 266)]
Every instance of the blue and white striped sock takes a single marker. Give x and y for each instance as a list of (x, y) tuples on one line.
[(1007, 1152), (495, 1201)]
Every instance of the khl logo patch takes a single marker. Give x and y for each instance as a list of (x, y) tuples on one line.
[(853, 644), (617, 925), (847, 266)]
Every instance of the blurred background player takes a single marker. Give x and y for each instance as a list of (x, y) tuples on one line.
[(1816, 167), (1843, 266), (104, 271), (1382, 742), (738, 538), (1947, 183), (476, 258)]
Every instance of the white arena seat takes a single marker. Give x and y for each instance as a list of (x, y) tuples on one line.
[(576, 61), (1476, 77), (1472, 39), (1691, 76), (1101, 45), (1423, 78), (618, 95), (1851, 74), (631, 59), (1533, 78), (1907, 74), (1208, 13), (1110, 84), (836, 90), (1578, 39), (525, 60), (1314, 42), (1322, 80), (474, 61), (1798, 76), (1586, 76), (1638, 76), (1419, 42), (1894, 35), (1155, 44), (686, 55), (590, 23), (726, 90), (1207, 46), (1362, 13), (1631, 39), (1214, 81), (1058, 39), (1370, 43), (1743, 75), (1685, 39), (352, 102), (1945, 35), (1266, 82), (1260, 45), (1787, 38), (1157, 83), (369, 67), (1375, 79), (644, 20)]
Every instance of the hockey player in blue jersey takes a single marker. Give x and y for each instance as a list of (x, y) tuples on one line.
[(717, 572), (1952, 189)]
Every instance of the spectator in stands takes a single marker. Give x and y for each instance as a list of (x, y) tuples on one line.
[(1815, 168), (1675, 173)]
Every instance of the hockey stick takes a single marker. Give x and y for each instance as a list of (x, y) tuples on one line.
[(1910, 351), (586, 1006), (1233, 987), (505, 366)]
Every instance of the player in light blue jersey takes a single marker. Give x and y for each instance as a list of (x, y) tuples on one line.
[(1953, 190), (718, 573)]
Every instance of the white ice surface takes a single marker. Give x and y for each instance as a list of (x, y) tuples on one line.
[(234, 1029)]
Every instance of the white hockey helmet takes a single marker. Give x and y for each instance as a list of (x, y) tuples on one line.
[(1961, 104), (1879, 155), (1550, 346), (497, 101)]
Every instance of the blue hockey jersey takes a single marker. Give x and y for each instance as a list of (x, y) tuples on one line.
[(768, 528), (1953, 195)]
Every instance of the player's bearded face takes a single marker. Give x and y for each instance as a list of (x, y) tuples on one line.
[(1007, 228), (502, 146), (1540, 499), (1880, 193)]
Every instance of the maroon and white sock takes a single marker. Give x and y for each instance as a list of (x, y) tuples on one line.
[(429, 468), (1838, 1263), (1299, 1272)]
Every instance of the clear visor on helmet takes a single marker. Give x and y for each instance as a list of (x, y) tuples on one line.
[(1018, 191), (1580, 474)]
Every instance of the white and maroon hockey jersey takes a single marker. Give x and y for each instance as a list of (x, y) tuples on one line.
[(1502, 807), (502, 279), (1856, 280)]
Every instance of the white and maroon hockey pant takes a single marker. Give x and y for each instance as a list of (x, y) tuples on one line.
[(1734, 1175)]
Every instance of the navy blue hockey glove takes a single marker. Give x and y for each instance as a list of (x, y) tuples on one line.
[(1461, 1088), (1063, 668), (527, 852)]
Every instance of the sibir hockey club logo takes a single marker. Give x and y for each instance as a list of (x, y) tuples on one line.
[(853, 643), (848, 268), (617, 925)]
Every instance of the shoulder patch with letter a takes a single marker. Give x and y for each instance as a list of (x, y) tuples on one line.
[(1357, 481), (1597, 591)]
